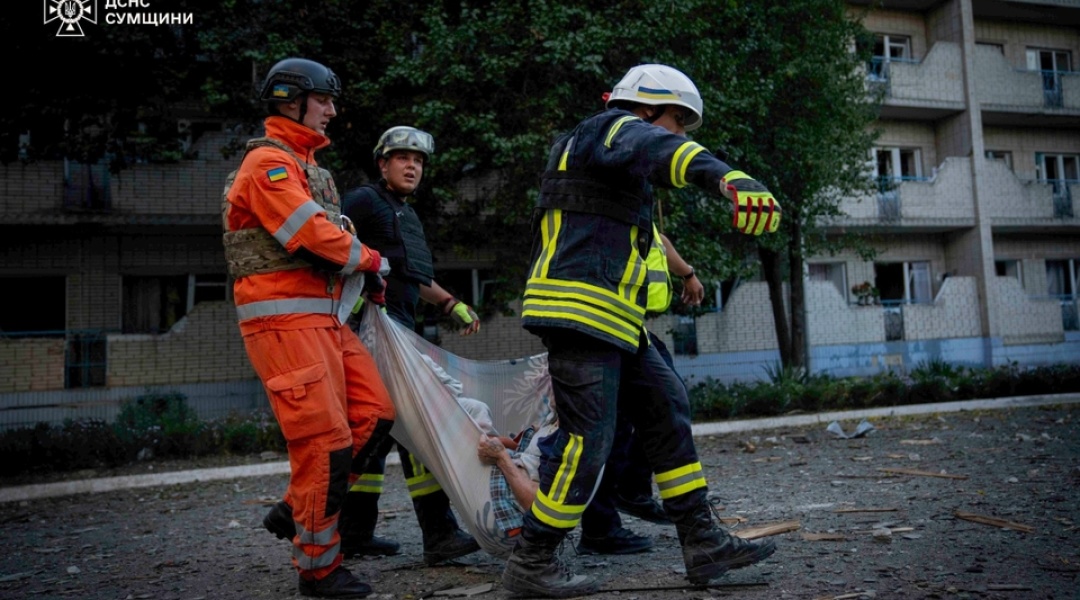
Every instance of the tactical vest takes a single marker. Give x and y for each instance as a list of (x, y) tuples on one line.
[(406, 247), (254, 251)]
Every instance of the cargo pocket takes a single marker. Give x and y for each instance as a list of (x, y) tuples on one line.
[(299, 402)]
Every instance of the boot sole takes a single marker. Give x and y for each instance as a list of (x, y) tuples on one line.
[(702, 574), (614, 551), (525, 589), (434, 559)]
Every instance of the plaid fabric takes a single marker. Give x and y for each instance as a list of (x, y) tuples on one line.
[(508, 515)]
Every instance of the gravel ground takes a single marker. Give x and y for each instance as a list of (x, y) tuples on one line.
[(905, 511)]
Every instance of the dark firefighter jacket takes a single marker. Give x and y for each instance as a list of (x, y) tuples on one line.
[(594, 226)]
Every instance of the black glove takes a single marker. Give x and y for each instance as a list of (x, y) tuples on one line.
[(375, 288)]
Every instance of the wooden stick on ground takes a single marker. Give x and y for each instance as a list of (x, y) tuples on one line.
[(996, 522), (752, 533), (921, 473)]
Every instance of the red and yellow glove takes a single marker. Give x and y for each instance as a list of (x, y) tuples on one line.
[(756, 211)]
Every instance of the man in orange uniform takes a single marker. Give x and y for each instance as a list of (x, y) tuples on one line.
[(297, 270)]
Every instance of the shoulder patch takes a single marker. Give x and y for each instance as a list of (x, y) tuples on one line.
[(277, 174)]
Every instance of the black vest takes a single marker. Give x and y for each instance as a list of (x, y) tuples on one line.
[(386, 223)]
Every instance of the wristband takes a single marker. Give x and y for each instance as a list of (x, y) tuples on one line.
[(689, 275)]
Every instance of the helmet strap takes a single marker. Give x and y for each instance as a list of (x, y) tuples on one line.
[(659, 112), (303, 107)]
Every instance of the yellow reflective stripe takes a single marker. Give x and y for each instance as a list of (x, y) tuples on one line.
[(549, 230), (565, 155), (680, 162), (371, 483), (615, 129), (584, 292), (550, 512), (422, 485), (570, 315), (568, 465), (418, 467), (677, 482), (634, 274)]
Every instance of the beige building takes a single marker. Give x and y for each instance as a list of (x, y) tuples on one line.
[(116, 284)]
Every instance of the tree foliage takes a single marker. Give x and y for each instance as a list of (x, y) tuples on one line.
[(494, 82)]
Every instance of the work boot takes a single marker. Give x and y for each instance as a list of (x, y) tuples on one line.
[(709, 551), (356, 524), (448, 546), (619, 541), (373, 545), (534, 569), (443, 539), (645, 508), (279, 521), (340, 583)]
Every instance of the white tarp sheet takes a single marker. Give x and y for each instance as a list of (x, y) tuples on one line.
[(436, 428)]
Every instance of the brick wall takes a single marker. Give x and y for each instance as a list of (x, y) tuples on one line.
[(31, 364), (937, 78), (954, 313), (999, 83), (1025, 320), (205, 346), (947, 196), (831, 320), (499, 337)]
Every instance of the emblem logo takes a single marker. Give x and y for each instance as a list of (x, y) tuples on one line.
[(70, 13)]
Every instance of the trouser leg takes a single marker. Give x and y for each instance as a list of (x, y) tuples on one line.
[(708, 550), (443, 538), (304, 377)]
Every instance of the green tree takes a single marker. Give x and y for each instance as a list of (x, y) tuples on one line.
[(495, 82)]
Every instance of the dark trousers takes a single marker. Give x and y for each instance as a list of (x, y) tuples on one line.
[(627, 472), (593, 382)]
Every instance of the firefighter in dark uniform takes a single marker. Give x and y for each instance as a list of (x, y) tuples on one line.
[(586, 298), (384, 217)]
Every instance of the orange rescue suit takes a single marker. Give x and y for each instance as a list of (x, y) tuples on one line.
[(322, 383)]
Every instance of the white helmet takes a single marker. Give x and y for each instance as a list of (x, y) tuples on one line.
[(659, 84)]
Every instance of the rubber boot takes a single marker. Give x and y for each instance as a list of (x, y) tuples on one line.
[(443, 539), (708, 550), (359, 513), (534, 569)]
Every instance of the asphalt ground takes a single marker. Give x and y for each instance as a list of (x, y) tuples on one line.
[(973, 499)]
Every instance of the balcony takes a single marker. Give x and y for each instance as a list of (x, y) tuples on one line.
[(1029, 205), (929, 89), (943, 202), (1016, 97)]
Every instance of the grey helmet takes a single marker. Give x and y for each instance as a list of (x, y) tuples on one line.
[(657, 85), (404, 137), (294, 76)]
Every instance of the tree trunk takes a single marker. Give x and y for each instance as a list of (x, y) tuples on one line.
[(797, 283), (770, 264)]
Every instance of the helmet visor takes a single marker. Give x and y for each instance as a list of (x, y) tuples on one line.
[(409, 139)]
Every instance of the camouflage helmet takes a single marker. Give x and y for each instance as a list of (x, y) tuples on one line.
[(404, 137)]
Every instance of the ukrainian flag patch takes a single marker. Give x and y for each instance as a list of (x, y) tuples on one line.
[(656, 94), (277, 174), (280, 91)]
